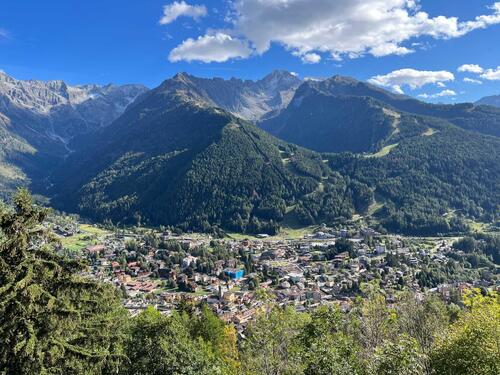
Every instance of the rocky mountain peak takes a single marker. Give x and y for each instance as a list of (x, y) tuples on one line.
[(250, 100)]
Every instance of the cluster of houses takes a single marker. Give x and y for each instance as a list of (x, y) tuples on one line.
[(236, 278)]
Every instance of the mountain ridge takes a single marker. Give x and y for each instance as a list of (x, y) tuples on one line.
[(178, 161), (181, 154), (250, 100), (492, 100), (38, 120), (481, 119)]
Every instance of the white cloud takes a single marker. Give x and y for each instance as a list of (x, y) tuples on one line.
[(491, 74), (441, 94), (311, 58), (488, 74), (349, 28), (446, 93), (411, 78), (440, 84), (177, 9), (471, 68), (482, 22), (389, 49), (474, 81), (344, 28), (219, 47)]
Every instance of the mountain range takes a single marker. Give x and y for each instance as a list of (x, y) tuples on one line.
[(330, 115), (38, 120), (249, 100), (250, 156), (173, 158), (493, 100)]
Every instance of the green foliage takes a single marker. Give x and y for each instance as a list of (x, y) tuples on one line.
[(481, 244), (422, 320), (160, 345), (373, 321), (52, 321), (400, 357), (471, 345), (181, 343), (271, 346), (466, 244), (429, 184), (131, 245), (173, 162), (413, 337), (326, 348)]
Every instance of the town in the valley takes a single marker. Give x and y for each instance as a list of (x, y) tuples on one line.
[(238, 275)]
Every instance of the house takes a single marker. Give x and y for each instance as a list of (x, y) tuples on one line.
[(96, 249), (296, 276), (379, 249), (234, 273), (187, 261)]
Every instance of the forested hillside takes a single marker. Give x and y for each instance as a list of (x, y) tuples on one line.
[(428, 166), (426, 183), (481, 119), (172, 159), (336, 123), (332, 124)]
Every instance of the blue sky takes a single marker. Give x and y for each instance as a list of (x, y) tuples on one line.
[(409, 46)]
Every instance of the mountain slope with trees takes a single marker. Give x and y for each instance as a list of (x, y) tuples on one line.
[(172, 159), (481, 119), (429, 184), (428, 166), (327, 123)]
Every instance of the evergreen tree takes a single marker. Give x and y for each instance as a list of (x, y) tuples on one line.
[(52, 321)]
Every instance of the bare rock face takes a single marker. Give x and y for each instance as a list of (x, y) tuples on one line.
[(249, 100), (38, 119), (63, 111)]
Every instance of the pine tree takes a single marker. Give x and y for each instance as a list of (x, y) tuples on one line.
[(52, 320)]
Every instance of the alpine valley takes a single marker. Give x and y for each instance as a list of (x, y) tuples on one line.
[(251, 156)]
